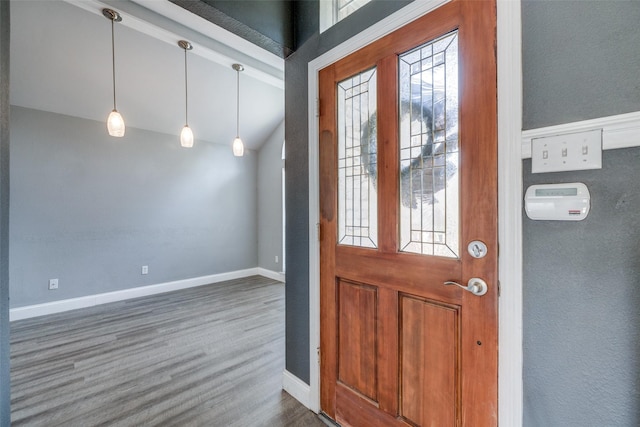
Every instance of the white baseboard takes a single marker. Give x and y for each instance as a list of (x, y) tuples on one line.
[(620, 131), (297, 388), (279, 276), (36, 310)]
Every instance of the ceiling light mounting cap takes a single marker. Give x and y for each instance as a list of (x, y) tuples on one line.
[(238, 67), (111, 15), (185, 45)]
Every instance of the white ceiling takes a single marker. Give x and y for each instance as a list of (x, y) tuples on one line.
[(61, 62)]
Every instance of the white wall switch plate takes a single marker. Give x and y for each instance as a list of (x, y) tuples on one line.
[(568, 152), (53, 284), (145, 269)]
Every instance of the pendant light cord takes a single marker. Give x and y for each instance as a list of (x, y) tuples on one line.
[(113, 63), (238, 104), (186, 91)]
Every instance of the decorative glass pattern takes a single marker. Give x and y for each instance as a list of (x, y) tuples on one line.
[(429, 158), (344, 8), (357, 162)]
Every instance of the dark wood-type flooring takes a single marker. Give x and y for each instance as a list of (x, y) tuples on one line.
[(206, 356)]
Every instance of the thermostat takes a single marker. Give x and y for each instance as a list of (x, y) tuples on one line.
[(559, 202)]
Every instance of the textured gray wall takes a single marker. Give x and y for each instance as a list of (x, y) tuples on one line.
[(581, 303), (271, 18), (297, 166), (581, 280), (270, 201), (5, 392), (265, 23), (580, 60), (90, 210)]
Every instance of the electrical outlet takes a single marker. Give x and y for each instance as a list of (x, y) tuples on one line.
[(276, 259), (145, 269), (53, 284)]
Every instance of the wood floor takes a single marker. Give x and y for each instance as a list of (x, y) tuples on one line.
[(206, 356)]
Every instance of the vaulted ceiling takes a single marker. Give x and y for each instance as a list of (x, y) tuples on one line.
[(61, 62)]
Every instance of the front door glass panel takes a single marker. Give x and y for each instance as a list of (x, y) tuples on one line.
[(429, 158), (357, 161)]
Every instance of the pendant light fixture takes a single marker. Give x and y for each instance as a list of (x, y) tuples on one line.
[(186, 136), (238, 146), (115, 122)]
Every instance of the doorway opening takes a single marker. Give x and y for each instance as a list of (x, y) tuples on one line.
[(284, 214)]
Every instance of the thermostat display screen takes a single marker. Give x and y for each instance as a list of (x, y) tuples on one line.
[(556, 192)]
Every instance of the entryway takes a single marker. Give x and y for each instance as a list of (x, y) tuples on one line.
[(408, 214)]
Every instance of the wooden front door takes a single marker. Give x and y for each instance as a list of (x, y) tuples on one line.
[(408, 180)]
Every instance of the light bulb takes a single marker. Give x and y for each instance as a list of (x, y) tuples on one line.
[(238, 147), (115, 124), (186, 137)]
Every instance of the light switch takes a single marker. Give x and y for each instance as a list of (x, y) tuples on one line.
[(573, 151)]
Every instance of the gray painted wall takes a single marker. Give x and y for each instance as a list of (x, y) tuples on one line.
[(581, 293), (271, 18), (90, 210), (265, 23), (297, 166), (5, 391), (581, 300), (270, 201), (580, 60)]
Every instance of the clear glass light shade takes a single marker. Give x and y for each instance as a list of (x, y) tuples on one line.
[(186, 137), (238, 147), (115, 124)]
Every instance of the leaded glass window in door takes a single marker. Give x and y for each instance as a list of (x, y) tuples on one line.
[(429, 158), (357, 161)]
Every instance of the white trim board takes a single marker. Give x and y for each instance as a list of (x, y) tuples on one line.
[(297, 388), (279, 276), (36, 310), (619, 131), (509, 39), (510, 353)]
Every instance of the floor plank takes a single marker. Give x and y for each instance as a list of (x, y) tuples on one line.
[(206, 356)]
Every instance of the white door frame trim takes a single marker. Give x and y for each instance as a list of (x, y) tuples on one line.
[(509, 36)]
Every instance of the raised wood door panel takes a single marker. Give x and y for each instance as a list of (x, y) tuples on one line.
[(429, 362), (397, 346), (357, 337)]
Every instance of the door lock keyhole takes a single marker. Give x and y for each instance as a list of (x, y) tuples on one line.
[(477, 249)]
